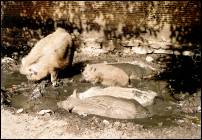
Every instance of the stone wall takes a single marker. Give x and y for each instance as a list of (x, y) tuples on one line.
[(144, 27)]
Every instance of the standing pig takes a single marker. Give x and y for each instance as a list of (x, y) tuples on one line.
[(50, 54)]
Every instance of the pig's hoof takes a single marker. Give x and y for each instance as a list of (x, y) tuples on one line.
[(55, 84)]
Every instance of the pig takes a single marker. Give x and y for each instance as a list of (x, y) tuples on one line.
[(49, 55), (105, 106), (145, 98), (105, 74)]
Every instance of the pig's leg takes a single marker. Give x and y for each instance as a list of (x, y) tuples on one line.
[(54, 76)]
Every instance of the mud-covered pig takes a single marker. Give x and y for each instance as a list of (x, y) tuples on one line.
[(50, 54), (144, 97), (107, 106), (105, 74)]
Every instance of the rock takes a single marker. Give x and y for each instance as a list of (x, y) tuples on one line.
[(127, 51), (163, 51), (106, 122), (92, 41), (149, 59), (143, 65), (155, 45), (36, 93), (145, 98), (191, 104), (187, 53), (199, 108), (71, 81), (117, 124), (43, 112), (132, 42), (39, 89), (15, 55), (8, 64), (181, 96), (180, 121), (109, 46), (4, 97), (106, 106), (19, 110), (159, 44), (23, 84), (176, 53), (168, 108), (141, 50), (93, 51), (160, 124)]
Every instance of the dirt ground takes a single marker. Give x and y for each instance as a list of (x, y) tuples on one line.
[(61, 124), (33, 126)]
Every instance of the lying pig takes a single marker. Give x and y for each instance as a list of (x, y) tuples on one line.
[(105, 74), (106, 106), (145, 98)]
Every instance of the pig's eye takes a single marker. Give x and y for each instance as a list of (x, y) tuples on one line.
[(35, 73), (30, 70)]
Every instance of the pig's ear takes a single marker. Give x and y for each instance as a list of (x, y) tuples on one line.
[(75, 94)]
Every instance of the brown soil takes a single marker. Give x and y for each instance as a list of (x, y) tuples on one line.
[(170, 120)]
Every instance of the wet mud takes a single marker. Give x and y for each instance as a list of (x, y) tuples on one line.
[(33, 97)]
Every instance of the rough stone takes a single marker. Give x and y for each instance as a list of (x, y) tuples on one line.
[(149, 59), (162, 51), (141, 50), (187, 53)]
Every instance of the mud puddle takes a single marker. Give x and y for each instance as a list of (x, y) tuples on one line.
[(164, 109)]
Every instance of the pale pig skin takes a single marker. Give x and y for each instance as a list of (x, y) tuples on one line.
[(106, 106), (145, 98), (50, 54), (105, 74)]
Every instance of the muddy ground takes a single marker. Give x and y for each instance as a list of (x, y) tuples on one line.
[(173, 115)]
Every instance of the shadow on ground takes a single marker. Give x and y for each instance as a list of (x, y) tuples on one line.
[(183, 72)]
